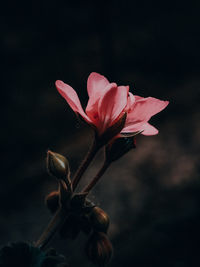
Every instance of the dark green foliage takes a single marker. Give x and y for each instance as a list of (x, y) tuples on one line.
[(26, 255)]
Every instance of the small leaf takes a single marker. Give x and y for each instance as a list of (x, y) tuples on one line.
[(21, 254)]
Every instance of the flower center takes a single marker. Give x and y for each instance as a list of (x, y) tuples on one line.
[(95, 116)]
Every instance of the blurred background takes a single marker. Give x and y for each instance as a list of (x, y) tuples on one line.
[(153, 193)]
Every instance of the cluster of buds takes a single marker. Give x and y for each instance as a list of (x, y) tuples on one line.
[(79, 213)]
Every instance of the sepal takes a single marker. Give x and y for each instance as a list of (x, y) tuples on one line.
[(118, 148), (113, 130)]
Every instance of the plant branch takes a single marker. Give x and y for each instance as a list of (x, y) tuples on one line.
[(54, 225), (84, 165), (97, 177)]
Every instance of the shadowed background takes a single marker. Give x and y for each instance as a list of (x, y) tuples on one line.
[(153, 193)]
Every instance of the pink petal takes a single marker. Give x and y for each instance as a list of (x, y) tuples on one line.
[(144, 128), (111, 104), (132, 128), (144, 108), (130, 102), (92, 107), (149, 129), (71, 97), (137, 97), (97, 85)]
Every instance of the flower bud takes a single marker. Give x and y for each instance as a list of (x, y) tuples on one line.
[(52, 201), (119, 147), (99, 249), (99, 220), (57, 165)]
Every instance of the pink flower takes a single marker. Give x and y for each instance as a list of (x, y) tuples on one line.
[(108, 102), (139, 111)]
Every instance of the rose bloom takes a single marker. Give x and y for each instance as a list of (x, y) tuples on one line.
[(108, 102)]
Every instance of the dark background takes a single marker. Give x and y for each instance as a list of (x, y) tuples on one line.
[(153, 193)]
